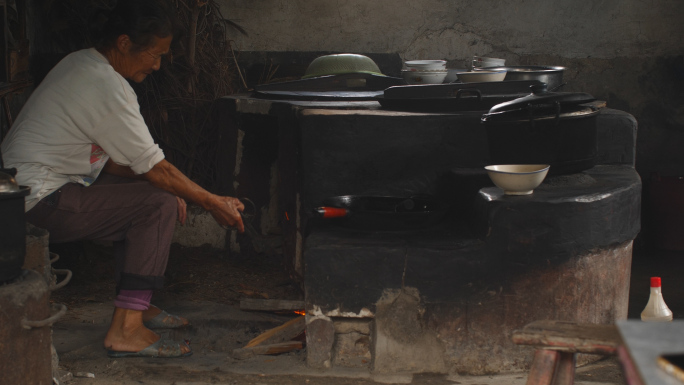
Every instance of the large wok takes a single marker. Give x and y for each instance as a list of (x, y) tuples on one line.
[(382, 213)]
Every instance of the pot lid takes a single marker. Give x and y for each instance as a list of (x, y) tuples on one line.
[(540, 98), (8, 184), (525, 69), (460, 90), (352, 83)]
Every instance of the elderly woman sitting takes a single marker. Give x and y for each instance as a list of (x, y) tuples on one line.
[(95, 172)]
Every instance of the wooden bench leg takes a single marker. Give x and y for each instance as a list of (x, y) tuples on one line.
[(543, 367), (565, 372)]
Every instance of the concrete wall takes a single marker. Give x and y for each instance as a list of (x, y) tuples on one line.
[(456, 29), (627, 52)]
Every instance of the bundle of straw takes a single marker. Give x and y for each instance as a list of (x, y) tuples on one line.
[(177, 100)]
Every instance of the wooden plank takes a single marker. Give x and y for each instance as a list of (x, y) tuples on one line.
[(270, 305), (278, 348), (570, 337), (282, 333)]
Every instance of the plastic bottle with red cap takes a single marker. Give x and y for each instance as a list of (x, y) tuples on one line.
[(656, 310)]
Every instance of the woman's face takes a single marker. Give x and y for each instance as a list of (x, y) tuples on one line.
[(136, 65)]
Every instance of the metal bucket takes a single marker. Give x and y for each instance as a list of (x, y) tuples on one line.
[(26, 318)]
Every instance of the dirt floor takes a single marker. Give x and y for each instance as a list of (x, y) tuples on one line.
[(206, 286)]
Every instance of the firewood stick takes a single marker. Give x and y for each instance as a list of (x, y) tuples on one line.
[(282, 347), (284, 332)]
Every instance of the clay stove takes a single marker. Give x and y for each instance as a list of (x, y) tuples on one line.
[(445, 298)]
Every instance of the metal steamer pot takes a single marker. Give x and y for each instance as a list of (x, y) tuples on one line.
[(12, 226), (551, 75), (555, 128)]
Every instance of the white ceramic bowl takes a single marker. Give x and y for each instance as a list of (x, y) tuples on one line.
[(479, 61), (452, 75), (423, 77), (426, 65), (481, 76), (517, 179)]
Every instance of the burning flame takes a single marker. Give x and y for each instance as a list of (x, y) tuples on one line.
[(300, 312)]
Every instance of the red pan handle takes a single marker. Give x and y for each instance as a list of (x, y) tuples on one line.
[(332, 212)]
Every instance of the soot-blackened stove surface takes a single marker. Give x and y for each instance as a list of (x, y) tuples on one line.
[(564, 218), (351, 269)]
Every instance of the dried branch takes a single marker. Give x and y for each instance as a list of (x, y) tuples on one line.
[(203, 70)]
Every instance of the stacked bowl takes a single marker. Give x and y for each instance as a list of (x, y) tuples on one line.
[(424, 71), (481, 61)]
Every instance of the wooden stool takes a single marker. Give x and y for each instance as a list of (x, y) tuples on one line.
[(557, 342)]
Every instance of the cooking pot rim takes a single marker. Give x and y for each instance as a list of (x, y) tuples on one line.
[(23, 191), (372, 219), (522, 115), (525, 69), (351, 202)]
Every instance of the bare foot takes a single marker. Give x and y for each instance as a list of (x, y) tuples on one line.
[(127, 333), (154, 311)]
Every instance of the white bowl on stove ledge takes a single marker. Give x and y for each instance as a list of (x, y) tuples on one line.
[(517, 179)]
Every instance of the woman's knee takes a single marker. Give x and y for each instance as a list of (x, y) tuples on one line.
[(167, 203), (158, 205)]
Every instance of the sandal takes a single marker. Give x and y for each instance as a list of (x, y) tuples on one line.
[(163, 348), (165, 320)]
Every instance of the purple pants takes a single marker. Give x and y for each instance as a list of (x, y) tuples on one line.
[(138, 217)]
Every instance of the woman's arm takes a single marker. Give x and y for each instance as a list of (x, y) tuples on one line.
[(226, 210), (126, 172)]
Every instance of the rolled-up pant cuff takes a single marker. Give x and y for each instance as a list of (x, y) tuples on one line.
[(133, 299)]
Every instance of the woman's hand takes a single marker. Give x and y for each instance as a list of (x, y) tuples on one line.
[(182, 210), (226, 211)]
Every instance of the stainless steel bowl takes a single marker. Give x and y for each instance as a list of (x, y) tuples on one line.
[(551, 75), (8, 184), (340, 64)]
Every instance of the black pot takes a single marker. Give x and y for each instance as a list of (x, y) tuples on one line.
[(12, 233), (554, 128)]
